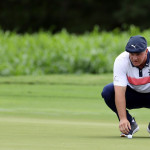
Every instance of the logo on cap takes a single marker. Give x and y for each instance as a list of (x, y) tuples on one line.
[(133, 46)]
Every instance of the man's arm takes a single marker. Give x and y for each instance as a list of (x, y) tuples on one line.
[(120, 101)]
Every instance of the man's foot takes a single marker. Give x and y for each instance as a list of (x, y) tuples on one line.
[(134, 129), (148, 128)]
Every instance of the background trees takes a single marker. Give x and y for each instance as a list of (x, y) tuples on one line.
[(76, 16)]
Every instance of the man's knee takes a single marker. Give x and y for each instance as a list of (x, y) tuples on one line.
[(108, 94), (108, 91)]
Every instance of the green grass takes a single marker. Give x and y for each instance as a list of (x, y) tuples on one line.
[(62, 112)]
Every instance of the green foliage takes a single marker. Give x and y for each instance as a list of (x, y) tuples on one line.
[(46, 53)]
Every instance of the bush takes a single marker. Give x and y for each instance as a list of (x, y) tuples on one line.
[(46, 53)]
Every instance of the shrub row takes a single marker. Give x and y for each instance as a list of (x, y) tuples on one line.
[(46, 53)]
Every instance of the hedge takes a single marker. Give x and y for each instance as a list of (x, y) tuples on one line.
[(46, 53)]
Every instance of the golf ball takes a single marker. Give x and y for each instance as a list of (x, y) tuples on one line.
[(129, 136)]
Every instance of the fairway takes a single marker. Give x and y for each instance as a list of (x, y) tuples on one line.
[(62, 112)]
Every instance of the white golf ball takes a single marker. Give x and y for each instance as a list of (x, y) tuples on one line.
[(129, 136)]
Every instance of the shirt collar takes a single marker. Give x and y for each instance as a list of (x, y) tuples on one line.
[(147, 61)]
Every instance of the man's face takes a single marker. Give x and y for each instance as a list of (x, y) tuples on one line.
[(138, 59)]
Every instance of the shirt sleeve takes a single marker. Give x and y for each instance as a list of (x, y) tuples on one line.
[(120, 72)]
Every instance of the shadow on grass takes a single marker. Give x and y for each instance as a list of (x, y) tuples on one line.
[(116, 137), (141, 137)]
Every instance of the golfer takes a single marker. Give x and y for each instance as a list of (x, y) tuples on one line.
[(131, 84)]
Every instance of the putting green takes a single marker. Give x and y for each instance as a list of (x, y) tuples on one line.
[(62, 113)]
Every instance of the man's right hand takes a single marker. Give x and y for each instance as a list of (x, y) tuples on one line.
[(124, 126)]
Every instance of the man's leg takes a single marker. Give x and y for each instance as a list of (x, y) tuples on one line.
[(135, 100), (108, 94)]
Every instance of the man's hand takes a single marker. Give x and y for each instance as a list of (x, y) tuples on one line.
[(124, 126)]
